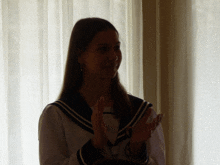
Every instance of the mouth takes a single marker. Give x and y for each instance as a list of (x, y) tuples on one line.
[(111, 66)]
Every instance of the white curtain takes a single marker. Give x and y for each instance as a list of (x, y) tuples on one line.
[(206, 86), (189, 79), (34, 37)]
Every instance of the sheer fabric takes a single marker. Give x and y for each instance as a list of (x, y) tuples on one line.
[(34, 38), (206, 86)]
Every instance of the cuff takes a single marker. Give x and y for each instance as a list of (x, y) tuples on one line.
[(141, 158), (88, 154)]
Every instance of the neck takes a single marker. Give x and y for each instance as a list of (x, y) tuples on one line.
[(93, 88)]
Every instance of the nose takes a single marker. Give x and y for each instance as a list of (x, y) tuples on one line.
[(112, 56)]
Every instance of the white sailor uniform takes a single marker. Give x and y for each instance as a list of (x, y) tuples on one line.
[(65, 133)]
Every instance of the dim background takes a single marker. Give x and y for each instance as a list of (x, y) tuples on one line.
[(170, 57)]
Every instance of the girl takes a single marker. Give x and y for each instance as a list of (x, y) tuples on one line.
[(94, 118)]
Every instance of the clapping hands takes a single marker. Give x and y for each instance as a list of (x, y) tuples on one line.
[(140, 132), (99, 127)]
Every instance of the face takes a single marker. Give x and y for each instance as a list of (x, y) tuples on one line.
[(103, 55)]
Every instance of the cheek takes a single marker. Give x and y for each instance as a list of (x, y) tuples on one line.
[(119, 58), (95, 63)]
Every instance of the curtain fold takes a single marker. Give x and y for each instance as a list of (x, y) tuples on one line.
[(168, 73), (34, 38), (3, 83), (182, 75), (176, 79)]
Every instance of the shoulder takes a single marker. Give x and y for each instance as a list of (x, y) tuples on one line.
[(138, 102), (134, 98), (50, 109), (50, 113), (143, 105)]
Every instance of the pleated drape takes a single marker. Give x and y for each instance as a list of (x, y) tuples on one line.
[(182, 76)]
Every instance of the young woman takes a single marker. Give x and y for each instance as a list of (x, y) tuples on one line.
[(94, 118)]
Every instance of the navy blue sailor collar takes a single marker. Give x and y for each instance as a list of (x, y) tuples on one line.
[(79, 111), (140, 106)]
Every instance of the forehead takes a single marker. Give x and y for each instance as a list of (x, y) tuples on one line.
[(105, 37)]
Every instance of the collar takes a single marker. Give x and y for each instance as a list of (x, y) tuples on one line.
[(77, 109)]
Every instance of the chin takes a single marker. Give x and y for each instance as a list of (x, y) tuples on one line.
[(116, 73), (109, 76)]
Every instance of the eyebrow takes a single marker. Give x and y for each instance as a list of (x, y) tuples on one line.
[(108, 44)]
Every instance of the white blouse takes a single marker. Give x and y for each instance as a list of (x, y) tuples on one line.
[(61, 140)]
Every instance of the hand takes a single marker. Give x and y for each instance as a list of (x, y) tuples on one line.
[(100, 139), (142, 131)]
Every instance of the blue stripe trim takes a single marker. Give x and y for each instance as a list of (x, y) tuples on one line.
[(79, 158), (123, 134), (75, 114), (140, 113), (75, 118)]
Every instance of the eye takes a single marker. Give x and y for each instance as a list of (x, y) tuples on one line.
[(117, 48), (103, 49)]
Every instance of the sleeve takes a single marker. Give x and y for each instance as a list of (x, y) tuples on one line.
[(53, 149), (156, 145), (141, 158), (88, 154)]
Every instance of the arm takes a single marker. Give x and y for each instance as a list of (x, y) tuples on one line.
[(143, 133), (53, 146), (156, 145), (137, 152)]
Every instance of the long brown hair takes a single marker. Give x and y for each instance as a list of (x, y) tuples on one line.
[(82, 34)]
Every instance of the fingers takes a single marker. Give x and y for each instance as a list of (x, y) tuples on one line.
[(156, 122), (99, 106), (97, 116), (144, 119)]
